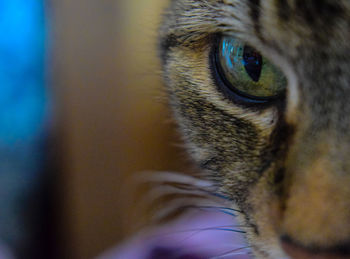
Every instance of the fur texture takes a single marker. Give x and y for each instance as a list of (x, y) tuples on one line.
[(285, 165)]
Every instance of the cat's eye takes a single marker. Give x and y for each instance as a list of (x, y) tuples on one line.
[(246, 72)]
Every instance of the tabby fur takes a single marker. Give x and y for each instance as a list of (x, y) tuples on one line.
[(284, 165)]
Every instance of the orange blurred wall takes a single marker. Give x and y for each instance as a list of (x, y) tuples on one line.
[(110, 118)]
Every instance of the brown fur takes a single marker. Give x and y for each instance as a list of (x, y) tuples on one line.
[(285, 165)]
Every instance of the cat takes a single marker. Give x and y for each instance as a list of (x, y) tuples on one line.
[(260, 91)]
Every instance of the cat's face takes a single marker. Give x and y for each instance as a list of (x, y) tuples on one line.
[(283, 161)]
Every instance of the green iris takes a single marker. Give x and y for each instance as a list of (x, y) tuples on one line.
[(246, 72)]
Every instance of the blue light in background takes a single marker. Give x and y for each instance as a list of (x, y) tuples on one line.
[(23, 112), (22, 96)]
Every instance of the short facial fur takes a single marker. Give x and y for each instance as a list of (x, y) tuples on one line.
[(285, 165)]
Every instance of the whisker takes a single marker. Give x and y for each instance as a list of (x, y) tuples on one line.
[(180, 204), (169, 183), (221, 196), (228, 213), (200, 230), (226, 210), (218, 207), (182, 181), (207, 229), (171, 177), (217, 228), (193, 199), (181, 192), (165, 190), (213, 209), (230, 253)]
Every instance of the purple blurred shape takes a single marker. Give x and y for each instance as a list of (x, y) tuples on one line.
[(194, 236)]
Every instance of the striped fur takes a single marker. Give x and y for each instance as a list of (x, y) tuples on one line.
[(285, 165)]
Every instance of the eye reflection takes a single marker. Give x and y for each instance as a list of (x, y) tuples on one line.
[(246, 71)]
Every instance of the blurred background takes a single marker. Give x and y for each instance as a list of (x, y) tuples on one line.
[(95, 116)]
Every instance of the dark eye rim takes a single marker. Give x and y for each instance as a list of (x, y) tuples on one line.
[(232, 92)]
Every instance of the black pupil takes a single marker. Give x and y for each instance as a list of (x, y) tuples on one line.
[(252, 63)]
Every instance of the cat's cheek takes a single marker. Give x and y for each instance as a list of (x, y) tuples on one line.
[(265, 213)]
